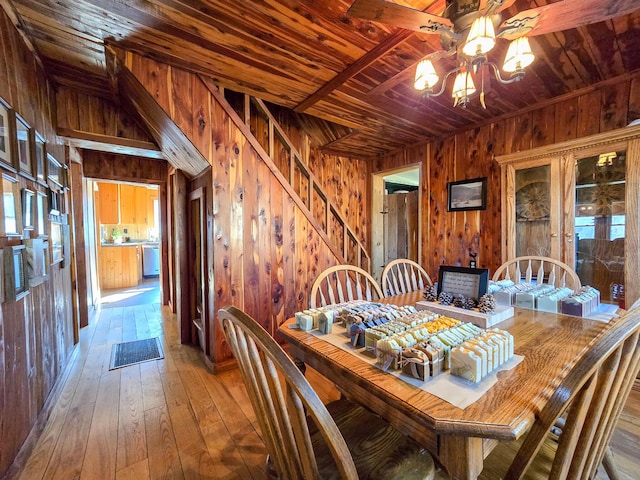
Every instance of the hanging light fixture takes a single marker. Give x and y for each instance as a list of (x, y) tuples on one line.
[(480, 41), (462, 87)]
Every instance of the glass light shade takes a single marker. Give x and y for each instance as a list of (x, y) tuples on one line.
[(426, 76), (463, 86), (481, 38), (519, 55)]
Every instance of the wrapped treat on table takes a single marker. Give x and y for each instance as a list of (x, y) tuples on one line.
[(304, 321), (415, 363), (325, 321), (466, 364), (435, 355), (388, 354), (372, 335), (356, 333), (446, 350)]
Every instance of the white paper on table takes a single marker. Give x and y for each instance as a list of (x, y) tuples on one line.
[(452, 389)]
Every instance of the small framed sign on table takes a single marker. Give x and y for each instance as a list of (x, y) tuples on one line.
[(470, 282)]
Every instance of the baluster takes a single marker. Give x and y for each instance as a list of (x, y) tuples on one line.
[(518, 274), (552, 276), (338, 287)]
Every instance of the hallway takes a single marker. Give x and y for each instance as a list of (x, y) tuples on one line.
[(167, 418)]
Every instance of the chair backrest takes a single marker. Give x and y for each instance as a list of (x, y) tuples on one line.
[(403, 276), (559, 273), (595, 390), (281, 412), (343, 283)]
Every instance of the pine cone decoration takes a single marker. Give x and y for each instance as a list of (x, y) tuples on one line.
[(459, 301), (430, 293), (470, 303), (487, 303), (445, 298)]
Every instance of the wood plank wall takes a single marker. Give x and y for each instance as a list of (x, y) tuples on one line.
[(86, 113), (265, 252), (448, 237), (36, 332)]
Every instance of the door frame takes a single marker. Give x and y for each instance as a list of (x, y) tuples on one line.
[(377, 217)]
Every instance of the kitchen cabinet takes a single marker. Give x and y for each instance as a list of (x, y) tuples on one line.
[(108, 203), (120, 266), (133, 205)]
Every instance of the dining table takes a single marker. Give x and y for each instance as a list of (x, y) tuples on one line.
[(458, 438)]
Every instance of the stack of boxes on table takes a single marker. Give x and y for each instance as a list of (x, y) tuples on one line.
[(420, 343), (546, 297)]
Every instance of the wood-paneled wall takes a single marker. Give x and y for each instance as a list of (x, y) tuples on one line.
[(448, 237), (265, 252), (36, 332), (86, 113)]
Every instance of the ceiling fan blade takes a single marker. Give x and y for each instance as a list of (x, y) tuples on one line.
[(399, 16), (489, 7), (563, 16)]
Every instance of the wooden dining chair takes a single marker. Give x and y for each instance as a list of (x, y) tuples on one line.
[(592, 396), (305, 438), (559, 273), (343, 283), (403, 276)]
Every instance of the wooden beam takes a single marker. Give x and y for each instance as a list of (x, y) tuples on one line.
[(107, 143), (338, 140), (356, 67)]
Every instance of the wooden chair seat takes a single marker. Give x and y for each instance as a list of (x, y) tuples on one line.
[(343, 283), (304, 438), (404, 276), (592, 396), (547, 270)]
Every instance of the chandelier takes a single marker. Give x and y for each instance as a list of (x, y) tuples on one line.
[(480, 41)]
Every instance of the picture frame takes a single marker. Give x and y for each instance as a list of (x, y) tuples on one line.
[(23, 148), (54, 171), (37, 252), (40, 159), (10, 207), (470, 282), (466, 195), (56, 242), (42, 211), (28, 209), (6, 135), (1, 275), (15, 273)]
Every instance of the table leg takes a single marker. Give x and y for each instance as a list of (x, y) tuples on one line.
[(462, 457)]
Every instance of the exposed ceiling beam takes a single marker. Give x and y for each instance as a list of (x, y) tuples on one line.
[(356, 67), (107, 143)]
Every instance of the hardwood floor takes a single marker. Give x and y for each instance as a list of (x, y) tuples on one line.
[(171, 418)]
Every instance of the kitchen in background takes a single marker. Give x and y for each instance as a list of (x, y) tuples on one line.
[(127, 220)]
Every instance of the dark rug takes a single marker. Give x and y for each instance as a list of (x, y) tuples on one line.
[(138, 351)]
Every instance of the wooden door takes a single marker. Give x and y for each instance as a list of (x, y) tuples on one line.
[(140, 205)]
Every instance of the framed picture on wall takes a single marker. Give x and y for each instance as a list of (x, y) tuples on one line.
[(10, 207), (6, 134), (15, 273), (56, 243), (28, 209), (54, 170), (42, 214), (467, 195), (23, 133), (40, 159)]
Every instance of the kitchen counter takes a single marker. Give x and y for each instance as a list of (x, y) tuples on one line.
[(131, 243)]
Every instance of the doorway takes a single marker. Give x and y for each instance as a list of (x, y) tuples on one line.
[(197, 263), (396, 220), (125, 244)]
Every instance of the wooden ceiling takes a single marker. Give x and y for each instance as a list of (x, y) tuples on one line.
[(311, 56)]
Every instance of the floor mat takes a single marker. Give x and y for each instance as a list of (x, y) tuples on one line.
[(138, 351)]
